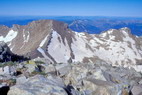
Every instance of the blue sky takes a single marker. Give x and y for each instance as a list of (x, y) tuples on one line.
[(127, 8)]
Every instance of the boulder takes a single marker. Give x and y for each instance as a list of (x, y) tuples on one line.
[(76, 75), (63, 69), (137, 90), (21, 80), (99, 75), (49, 68), (37, 85), (31, 67), (6, 70)]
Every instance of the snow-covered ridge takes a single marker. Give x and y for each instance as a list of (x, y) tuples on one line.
[(41, 50), (57, 49), (61, 45)]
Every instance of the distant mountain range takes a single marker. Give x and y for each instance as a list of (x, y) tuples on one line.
[(87, 24), (65, 62), (54, 41)]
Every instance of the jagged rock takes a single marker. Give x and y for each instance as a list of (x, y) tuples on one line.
[(63, 69), (56, 80), (31, 67), (100, 88), (137, 90), (99, 75), (50, 69), (76, 74), (78, 79), (37, 85)]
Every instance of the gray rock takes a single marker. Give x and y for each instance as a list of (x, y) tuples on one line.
[(63, 69), (1, 71), (83, 79), (99, 75), (136, 90), (56, 81), (37, 85), (140, 82), (21, 80), (6, 70), (49, 68), (31, 67), (12, 70)]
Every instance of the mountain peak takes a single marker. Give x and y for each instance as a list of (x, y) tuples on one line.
[(54, 41), (125, 29), (117, 34), (52, 23)]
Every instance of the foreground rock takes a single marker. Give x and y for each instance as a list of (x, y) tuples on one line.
[(37, 85), (39, 78), (137, 90)]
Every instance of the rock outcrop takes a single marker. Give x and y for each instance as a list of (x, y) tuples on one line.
[(38, 85), (100, 78)]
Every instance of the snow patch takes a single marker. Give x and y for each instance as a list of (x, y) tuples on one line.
[(79, 49), (9, 37), (25, 38), (104, 34), (43, 41), (110, 31), (59, 51), (12, 48), (28, 37), (138, 68), (98, 40), (44, 54)]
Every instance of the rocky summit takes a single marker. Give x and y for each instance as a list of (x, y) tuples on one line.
[(45, 57), (36, 77)]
